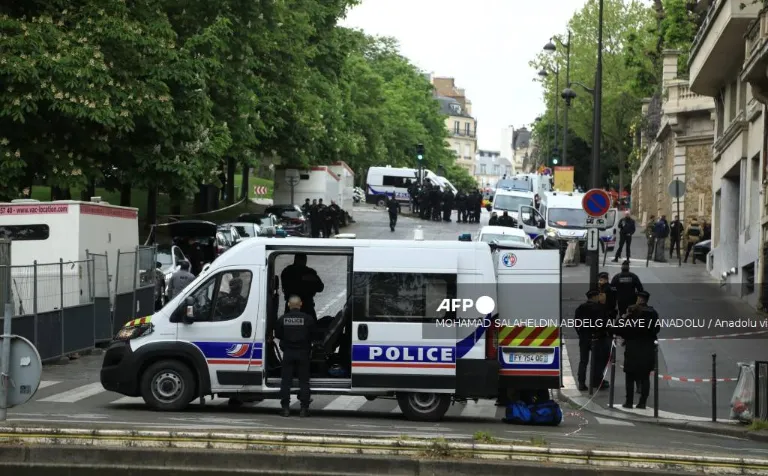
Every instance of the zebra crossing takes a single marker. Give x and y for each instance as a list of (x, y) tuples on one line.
[(93, 395)]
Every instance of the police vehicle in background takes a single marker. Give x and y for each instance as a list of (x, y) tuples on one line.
[(385, 182), (510, 201), (408, 329), (561, 219)]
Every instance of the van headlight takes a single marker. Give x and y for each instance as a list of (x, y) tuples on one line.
[(551, 232), (133, 332)]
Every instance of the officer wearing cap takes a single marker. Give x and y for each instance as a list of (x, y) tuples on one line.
[(607, 298), (627, 285), (591, 318), (639, 331)]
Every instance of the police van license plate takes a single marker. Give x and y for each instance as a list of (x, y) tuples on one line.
[(517, 357)]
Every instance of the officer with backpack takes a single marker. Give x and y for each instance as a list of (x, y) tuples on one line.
[(692, 236)]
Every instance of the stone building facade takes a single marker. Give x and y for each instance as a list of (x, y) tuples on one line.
[(681, 148)]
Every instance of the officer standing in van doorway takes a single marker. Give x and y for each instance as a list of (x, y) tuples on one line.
[(180, 280), (300, 280), (627, 285), (295, 329), (393, 207)]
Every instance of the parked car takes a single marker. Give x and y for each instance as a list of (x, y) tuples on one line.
[(226, 237), (264, 224), (169, 257), (701, 250), (202, 235), (291, 219)]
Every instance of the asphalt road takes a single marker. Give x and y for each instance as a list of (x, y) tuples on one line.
[(71, 395)]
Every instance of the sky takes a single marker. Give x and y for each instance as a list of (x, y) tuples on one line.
[(484, 44)]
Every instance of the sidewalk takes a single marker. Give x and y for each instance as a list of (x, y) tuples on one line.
[(685, 354)]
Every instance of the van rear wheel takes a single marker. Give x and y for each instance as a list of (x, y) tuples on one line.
[(423, 406), (381, 201), (168, 385)]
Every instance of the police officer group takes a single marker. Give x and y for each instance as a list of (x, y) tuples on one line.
[(618, 308), (429, 202), (323, 219)]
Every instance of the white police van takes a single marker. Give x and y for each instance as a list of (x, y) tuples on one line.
[(510, 201), (560, 219), (385, 182), (393, 337)]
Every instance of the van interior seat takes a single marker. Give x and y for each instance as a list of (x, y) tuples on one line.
[(335, 330)]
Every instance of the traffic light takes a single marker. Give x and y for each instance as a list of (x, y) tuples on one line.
[(420, 151), (555, 156)]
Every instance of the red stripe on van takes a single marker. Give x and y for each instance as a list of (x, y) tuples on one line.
[(419, 365), (106, 211)]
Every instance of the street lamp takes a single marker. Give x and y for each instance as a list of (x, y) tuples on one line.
[(595, 172), (543, 73), (567, 93)]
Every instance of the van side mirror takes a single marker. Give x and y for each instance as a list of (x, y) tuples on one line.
[(541, 223), (187, 311)]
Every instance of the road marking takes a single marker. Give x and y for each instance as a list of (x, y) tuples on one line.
[(275, 404), (47, 383), (128, 401), (346, 403), (610, 421), (76, 394), (483, 408)]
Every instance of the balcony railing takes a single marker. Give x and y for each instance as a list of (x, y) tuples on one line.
[(699, 38), (464, 133), (755, 37), (680, 97)]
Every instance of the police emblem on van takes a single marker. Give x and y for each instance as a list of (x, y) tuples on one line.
[(509, 260), (237, 350)]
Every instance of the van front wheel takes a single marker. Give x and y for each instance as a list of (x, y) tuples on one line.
[(423, 406), (168, 385)]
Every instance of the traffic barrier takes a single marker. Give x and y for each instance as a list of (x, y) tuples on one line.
[(66, 308), (239, 452)]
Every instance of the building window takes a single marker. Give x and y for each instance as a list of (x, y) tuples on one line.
[(496, 170), (482, 169), (468, 128), (403, 297), (456, 126)]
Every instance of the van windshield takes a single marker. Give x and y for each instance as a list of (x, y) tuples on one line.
[(518, 184), (567, 217), (510, 202), (490, 237)]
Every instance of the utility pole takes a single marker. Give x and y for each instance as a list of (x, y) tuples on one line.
[(595, 172)]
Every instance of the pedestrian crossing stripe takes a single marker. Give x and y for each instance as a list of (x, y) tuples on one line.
[(522, 336)]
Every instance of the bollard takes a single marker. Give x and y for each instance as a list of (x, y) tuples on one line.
[(714, 387), (656, 380), (613, 374), (592, 365)]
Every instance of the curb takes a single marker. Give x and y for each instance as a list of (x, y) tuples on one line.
[(723, 429), (157, 440)]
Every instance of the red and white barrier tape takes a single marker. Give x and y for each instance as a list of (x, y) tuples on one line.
[(691, 379), (720, 336)]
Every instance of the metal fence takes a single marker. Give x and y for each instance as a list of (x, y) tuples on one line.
[(70, 307)]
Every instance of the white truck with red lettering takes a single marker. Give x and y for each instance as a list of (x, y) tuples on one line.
[(47, 232)]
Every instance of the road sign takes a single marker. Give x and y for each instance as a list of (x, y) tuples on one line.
[(596, 202), (260, 190), (593, 239), (25, 371), (596, 222), (676, 188)]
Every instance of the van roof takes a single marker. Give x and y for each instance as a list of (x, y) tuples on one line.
[(31, 201), (562, 199)]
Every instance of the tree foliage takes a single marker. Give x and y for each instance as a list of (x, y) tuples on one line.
[(173, 94), (635, 35)]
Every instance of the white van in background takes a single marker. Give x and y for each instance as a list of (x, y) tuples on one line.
[(385, 182), (561, 219), (510, 201)]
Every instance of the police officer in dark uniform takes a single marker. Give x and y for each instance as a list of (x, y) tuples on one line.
[(322, 216), (591, 322), (334, 215), (413, 193), (393, 208), (306, 207), (478, 205), (608, 298), (424, 202), (296, 331), (494, 220), (436, 200), (506, 220), (639, 332), (627, 285), (470, 214), (300, 280), (447, 204), (461, 206), (314, 219)]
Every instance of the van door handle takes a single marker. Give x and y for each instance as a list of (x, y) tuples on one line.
[(246, 330), (362, 332)]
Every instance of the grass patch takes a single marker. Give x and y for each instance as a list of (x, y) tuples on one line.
[(538, 441), (758, 425), (484, 437), (438, 449)]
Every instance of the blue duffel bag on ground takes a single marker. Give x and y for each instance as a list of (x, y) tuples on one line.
[(543, 413)]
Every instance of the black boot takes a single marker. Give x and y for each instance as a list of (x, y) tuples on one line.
[(583, 387), (641, 404), (304, 413), (627, 404), (285, 412)]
